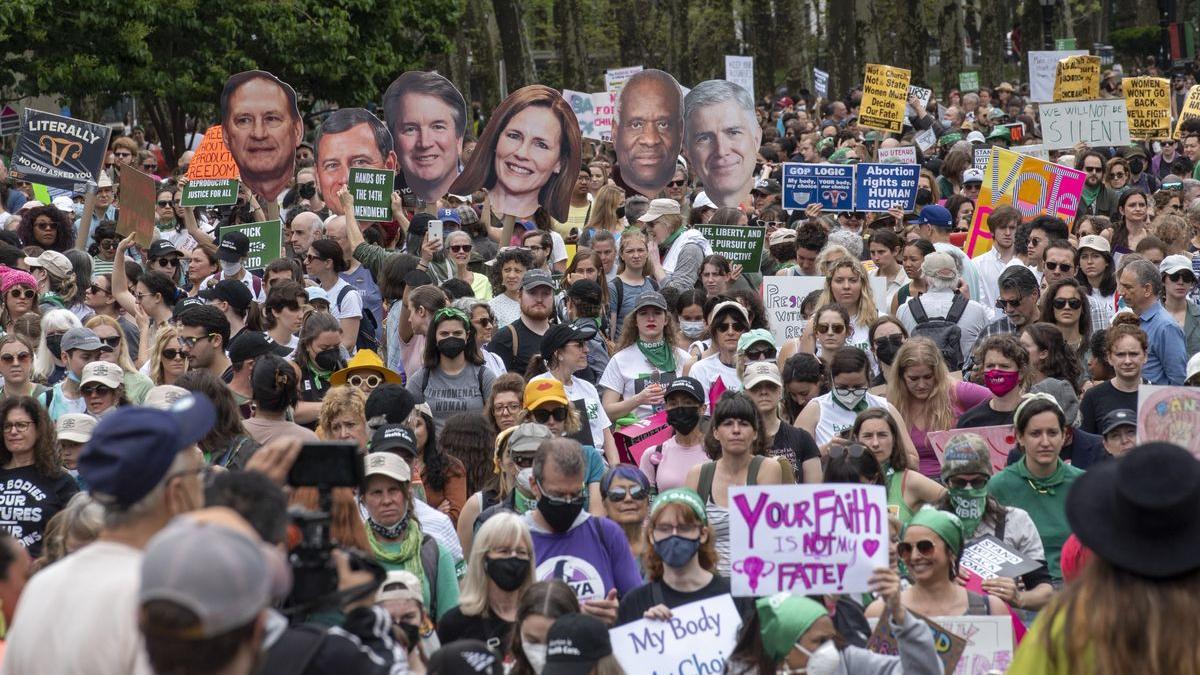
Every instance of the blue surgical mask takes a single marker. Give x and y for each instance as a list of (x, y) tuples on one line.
[(676, 551)]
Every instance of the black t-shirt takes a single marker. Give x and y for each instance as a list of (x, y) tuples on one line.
[(982, 415), (493, 630), (28, 500), (1101, 400), (528, 344), (796, 445), (636, 602)]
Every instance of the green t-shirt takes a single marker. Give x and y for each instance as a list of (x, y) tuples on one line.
[(1043, 499)]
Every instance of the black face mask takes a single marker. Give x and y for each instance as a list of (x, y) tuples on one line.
[(307, 190), (54, 344), (507, 573), (924, 197), (887, 352), (1136, 165), (451, 347), (412, 634), (683, 420), (559, 516), (329, 359)]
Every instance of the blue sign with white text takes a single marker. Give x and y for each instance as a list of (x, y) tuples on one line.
[(829, 185), (879, 187)]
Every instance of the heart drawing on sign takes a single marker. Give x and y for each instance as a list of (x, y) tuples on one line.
[(870, 546)]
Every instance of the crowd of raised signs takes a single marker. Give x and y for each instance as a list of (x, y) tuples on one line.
[(943, 431)]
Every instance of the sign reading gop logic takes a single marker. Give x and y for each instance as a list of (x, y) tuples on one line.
[(427, 117), (261, 126), (648, 131), (350, 138), (721, 139)]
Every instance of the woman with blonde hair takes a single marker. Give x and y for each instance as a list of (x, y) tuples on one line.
[(16, 365), (168, 358), (848, 285), (928, 398), (48, 366), (499, 570), (603, 215), (634, 277), (76, 526), (109, 331), (828, 255), (343, 416)]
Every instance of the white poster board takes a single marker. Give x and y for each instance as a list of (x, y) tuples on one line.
[(1102, 123), (1042, 66), (697, 639), (782, 297), (740, 71)]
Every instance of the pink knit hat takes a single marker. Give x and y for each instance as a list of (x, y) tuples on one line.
[(10, 277)]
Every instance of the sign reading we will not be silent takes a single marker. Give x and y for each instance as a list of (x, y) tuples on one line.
[(1101, 123), (885, 95), (372, 191)]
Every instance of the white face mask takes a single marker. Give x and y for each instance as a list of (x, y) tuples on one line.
[(692, 329), (849, 396), (535, 654), (230, 268), (824, 660)]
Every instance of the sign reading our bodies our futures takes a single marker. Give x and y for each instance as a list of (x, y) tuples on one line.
[(806, 539), (1096, 123), (212, 175), (59, 151), (740, 244), (830, 185), (698, 638), (885, 94), (1148, 101), (266, 242), (372, 190), (879, 187)]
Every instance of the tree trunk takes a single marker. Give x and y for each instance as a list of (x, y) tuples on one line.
[(518, 61), (991, 45), (715, 25), (950, 43), (482, 44), (677, 40), (913, 41), (844, 69), (630, 42), (759, 35), (571, 58)]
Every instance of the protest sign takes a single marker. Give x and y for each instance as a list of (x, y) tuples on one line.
[(1042, 67), (806, 539), (821, 83), (697, 638), (782, 297), (925, 139), (885, 94), (212, 175), (968, 82), (1064, 43), (615, 78), (1096, 123), (10, 121), (989, 642), (830, 185), (603, 109), (1148, 102), (740, 70), (1037, 151), (1170, 414), (1000, 439), (923, 95), (879, 187), (905, 154), (138, 191), (634, 439), (948, 646), (581, 103), (740, 244), (372, 191), (990, 558), (1035, 187), (59, 151), (1190, 109), (980, 158), (266, 242), (1077, 78)]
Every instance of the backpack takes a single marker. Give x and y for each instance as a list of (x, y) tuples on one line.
[(367, 324), (615, 327), (944, 331)]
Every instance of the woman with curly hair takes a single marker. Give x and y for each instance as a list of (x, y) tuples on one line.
[(466, 437), (504, 403), (1050, 356), (30, 462), (47, 228)]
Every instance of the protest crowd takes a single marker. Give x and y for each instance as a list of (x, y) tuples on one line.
[(889, 382)]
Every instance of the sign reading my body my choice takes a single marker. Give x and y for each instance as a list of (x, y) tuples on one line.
[(879, 187), (830, 185)]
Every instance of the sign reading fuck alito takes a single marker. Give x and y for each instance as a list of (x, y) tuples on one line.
[(806, 539)]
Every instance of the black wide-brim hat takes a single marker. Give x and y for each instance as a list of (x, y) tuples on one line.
[(1141, 513)]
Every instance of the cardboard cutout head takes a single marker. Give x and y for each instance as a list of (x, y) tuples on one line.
[(527, 156), (349, 138), (427, 117), (721, 140), (262, 126), (648, 131)]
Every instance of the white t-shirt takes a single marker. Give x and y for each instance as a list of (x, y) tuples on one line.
[(707, 370), (250, 281), (582, 390), (834, 418), (69, 626), (558, 248), (351, 306), (505, 308), (628, 372)]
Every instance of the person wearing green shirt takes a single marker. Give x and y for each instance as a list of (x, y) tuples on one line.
[(1040, 481)]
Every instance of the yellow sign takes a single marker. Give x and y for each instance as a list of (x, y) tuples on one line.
[(885, 93), (1077, 78), (1191, 108), (1148, 107)]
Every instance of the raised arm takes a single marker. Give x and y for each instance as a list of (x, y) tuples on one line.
[(85, 223), (189, 220), (120, 283)]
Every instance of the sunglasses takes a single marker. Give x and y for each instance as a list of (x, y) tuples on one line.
[(559, 501), (165, 203), (761, 354), (542, 415), (677, 183), (1009, 303), (167, 262), (26, 293), (461, 248), (93, 389), (1058, 267), (637, 493), (176, 355), (190, 342), (905, 549), (1063, 303), (1118, 174), (310, 257), (8, 359), (484, 322), (1182, 276), (1094, 169), (730, 325), (108, 244), (835, 328), (112, 341), (151, 167), (882, 342), (44, 225), (963, 483), (371, 380), (773, 223), (122, 154)]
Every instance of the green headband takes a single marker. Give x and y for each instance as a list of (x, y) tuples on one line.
[(681, 495), (452, 313), (943, 523), (783, 619)]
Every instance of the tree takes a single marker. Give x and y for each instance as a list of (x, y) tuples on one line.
[(845, 68), (571, 57), (991, 43), (518, 61), (950, 43)]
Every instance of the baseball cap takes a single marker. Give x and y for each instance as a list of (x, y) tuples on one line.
[(162, 248), (758, 372), (1096, 243), (585, 290), (34, 204), (935, 215), (213, 571), (1175, 263), (526, 438), (658, 208), (465, 657), (232, 291), (233, 247), (392, 402), (75, 427), (976, 137), (559, 335), (57, 264), (782, 236), (163, 396), (449, 215), (574, 644), (966, 453), (752, 337), (64, 203), (248, 344), (972, 175), (769, 186), (186, 304), (316, 293), (728, 306), (701, 201), (82, 338), (650, 299), (400, 585), (393, 437), (688, 385), (1193, 366), (546, 390), (387, 464), (536, 277), (107, 374), (133, 446), (1121, 417), (939, 265)]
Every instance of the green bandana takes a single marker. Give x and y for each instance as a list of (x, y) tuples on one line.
[(944, 524), (1044, 486), (968, 504), (320, 377), (1090, 193), (406, 555), (666, 245), (659, 354)]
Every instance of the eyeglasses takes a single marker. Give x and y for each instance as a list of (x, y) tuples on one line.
[(44, 225), (1182, 276), (167, 262), (637, 493), (886, 340), (506, 407), (542, 415), (835, 328), (854, 450), (677, 183), (21, 427), (1009, 303), (111, 341), (963, 484), (461, 248), (310, 257), (22, 357), (176, 355), (371, 380), (93, 389), (773, 223), (561, 501), (767, 354), (1063, 303), (846, 392), (1058, 267), (662, 531), (1118, 174), (190, 342), (905, 549), (26, 293), (730, 325), (108, 244)]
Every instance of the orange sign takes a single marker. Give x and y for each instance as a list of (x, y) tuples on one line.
[(212, 160)]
